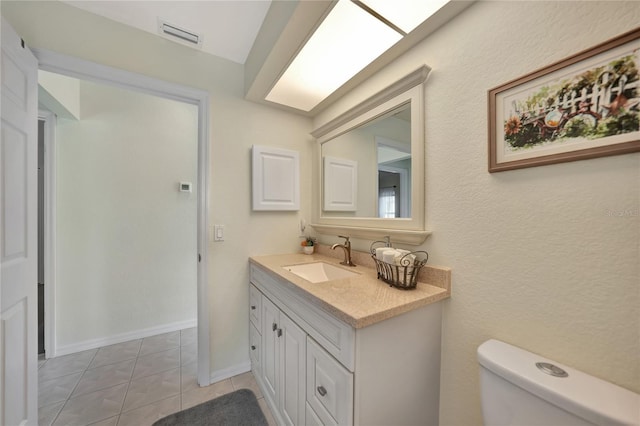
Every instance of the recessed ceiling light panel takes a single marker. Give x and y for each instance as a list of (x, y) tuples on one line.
[(406, 14), (347, 41)]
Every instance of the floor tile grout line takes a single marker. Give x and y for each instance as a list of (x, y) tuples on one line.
[(69, 399), (81, 376), (145, 405), (98, 390), (130, 380), (124, 399), (68, 373), (58, 414), (88, 367), (66, 401)]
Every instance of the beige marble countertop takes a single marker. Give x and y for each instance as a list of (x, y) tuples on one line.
[(362, 300)]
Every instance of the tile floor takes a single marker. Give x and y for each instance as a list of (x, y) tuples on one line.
[(131, 383)]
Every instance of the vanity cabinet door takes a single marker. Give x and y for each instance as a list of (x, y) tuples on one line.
[(291, 388), (329, 387), (311, 418), (270, 364), (283, 363)]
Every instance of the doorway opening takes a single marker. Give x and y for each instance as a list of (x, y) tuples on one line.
[(94, 73)]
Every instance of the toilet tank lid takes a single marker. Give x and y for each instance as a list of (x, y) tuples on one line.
[(585, 396)]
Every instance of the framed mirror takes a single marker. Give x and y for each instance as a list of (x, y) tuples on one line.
[(371, 170)]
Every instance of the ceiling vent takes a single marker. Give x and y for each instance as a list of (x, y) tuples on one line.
[(181, 35)]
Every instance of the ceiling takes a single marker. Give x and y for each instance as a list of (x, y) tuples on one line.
[(228, 27), (262, 35)]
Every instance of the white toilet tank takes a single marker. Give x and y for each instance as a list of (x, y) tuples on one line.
[(515, 391)]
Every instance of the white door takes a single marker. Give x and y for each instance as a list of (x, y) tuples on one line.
[(18, 232)]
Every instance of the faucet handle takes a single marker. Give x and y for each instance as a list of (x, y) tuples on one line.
[(346, 238)]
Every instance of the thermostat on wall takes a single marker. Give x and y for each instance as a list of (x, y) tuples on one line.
[(185, 186)]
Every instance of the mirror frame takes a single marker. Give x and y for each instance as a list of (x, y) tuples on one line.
[(409, 89)]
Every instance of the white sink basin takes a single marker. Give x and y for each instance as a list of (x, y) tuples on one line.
[(319, 272)]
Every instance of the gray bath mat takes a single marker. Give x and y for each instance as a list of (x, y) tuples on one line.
[(233, 409)]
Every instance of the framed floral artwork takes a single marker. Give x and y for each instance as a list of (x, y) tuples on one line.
[(585, 106)]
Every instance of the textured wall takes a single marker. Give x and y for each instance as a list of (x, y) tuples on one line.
[(539, 257)]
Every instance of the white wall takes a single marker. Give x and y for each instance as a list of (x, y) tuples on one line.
[(235, 126), (64, 92), (126, 237), (538, 258)]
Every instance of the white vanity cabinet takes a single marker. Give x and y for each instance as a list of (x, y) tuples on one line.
[(315, 369), (255, 328), (283, 363), (277, 353)]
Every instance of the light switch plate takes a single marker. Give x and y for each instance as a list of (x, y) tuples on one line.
[(218, 233)]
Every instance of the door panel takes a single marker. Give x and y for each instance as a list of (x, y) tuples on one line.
[(270, 317), (293, 370), (16, 380), (14, 164), (18, 227)]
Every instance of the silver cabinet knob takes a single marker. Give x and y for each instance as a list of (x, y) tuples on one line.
[(274, 326), (322, 391), (253, 347), (253, 307)]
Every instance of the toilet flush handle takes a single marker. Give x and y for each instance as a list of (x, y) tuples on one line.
[(552, 370)]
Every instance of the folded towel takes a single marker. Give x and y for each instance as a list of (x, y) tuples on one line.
[(389, 256), (404, 258), (380, 251)]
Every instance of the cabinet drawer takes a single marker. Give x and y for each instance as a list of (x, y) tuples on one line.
[(255, 306), (254, 347), (329, 387)]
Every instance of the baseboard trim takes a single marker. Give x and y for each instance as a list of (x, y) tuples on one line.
[(123, 337), (226, 373)]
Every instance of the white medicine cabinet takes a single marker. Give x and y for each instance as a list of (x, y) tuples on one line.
[(275, 178)]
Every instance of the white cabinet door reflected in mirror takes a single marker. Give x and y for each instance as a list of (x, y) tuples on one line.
[(340, 184)]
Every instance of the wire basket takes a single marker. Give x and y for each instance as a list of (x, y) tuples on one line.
[(403, 273)]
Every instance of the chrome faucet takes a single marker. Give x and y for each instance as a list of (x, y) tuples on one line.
[(347, 251)]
